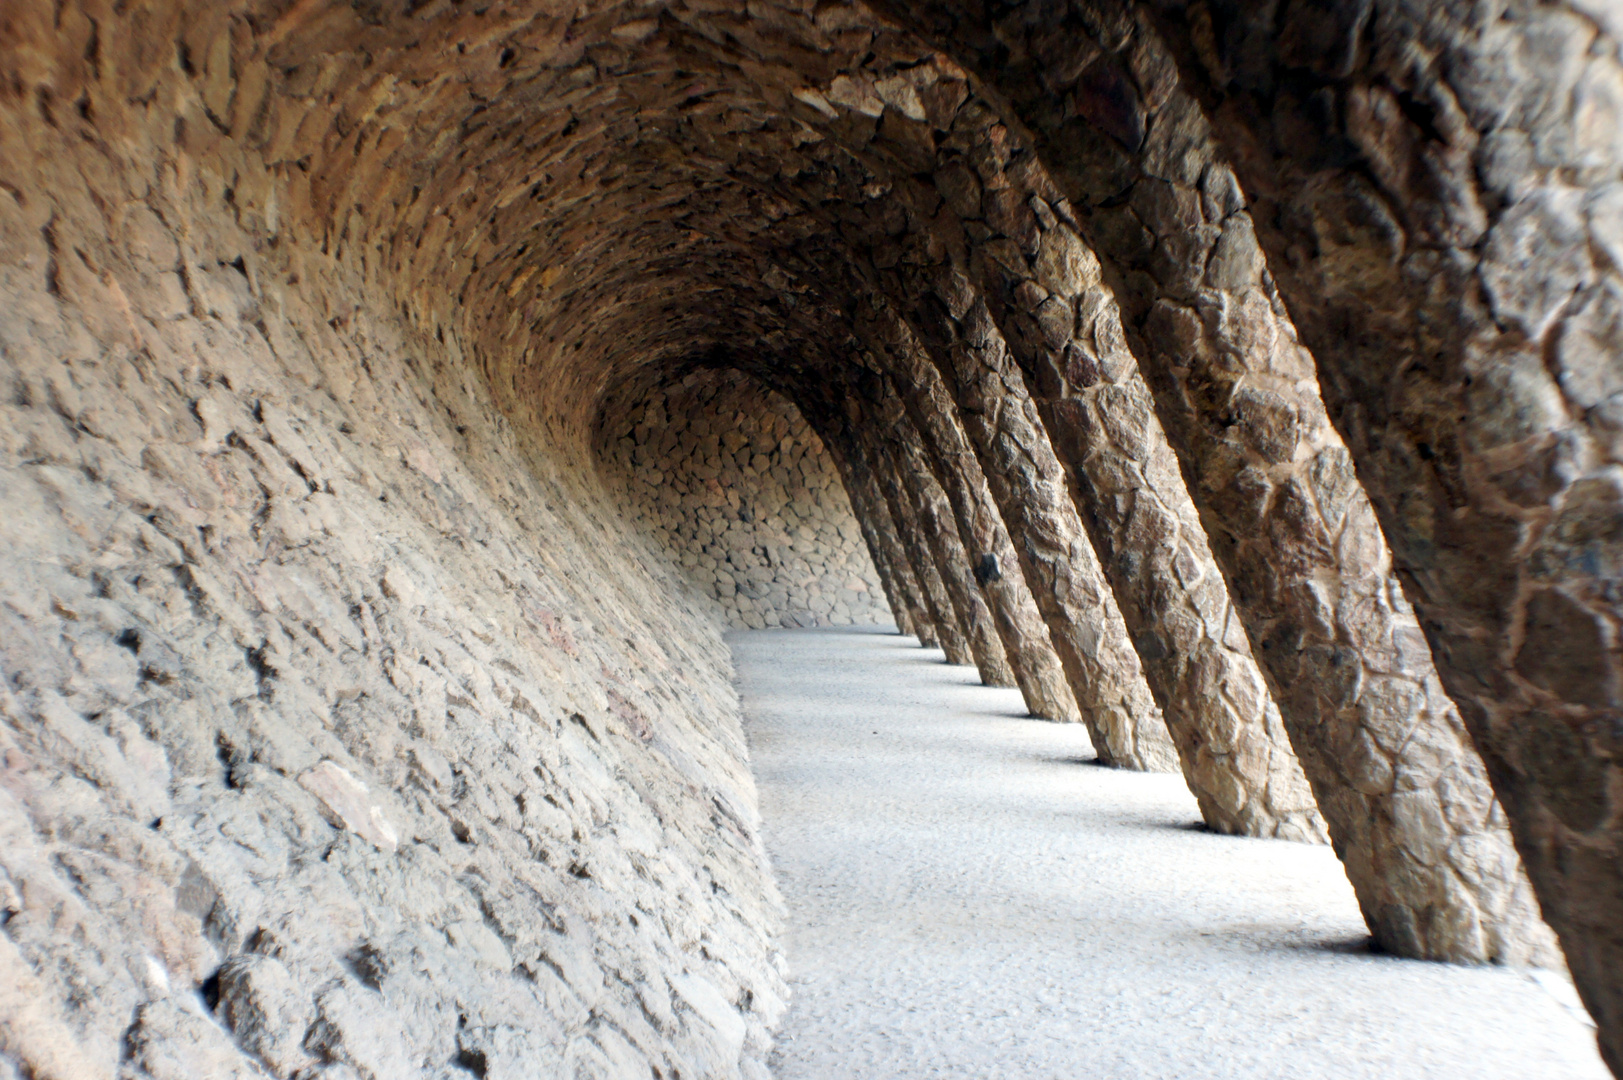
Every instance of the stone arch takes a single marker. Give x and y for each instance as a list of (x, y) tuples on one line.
[(1043, 307)]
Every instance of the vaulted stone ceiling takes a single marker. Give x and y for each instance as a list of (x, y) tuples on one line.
[(1180, 313)]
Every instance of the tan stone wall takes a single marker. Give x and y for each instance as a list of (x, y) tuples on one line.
[(343, 726), (729, 476)]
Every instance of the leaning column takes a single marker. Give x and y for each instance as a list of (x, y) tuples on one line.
[(933, 591), (879, 532), (1406, 798), (1235, 754), (930, 509), (1059, 564), (1037, 670)]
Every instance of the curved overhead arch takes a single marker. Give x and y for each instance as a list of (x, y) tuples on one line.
[(1033, 272)]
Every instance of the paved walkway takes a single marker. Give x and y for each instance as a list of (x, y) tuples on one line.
[(969, 898)]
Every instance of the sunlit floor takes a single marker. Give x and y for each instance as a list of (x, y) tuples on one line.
[(969, 897)]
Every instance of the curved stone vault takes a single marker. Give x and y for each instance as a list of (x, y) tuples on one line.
[(1241, 380)]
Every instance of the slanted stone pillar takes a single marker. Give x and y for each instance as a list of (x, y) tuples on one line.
[(887, 573), (1036, 667), (933, 591), (1235, 754), (1235, 751), (1406, 799), (878, 531), (1458, 180), (1059, 564), (873, 474), (1060, 324), (1384, 744), (934, 515)]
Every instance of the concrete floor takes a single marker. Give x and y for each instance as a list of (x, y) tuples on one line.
[(968, 897)]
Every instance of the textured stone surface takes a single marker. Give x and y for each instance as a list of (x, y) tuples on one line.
[(1060, 323), (1291, 529), (1256, 788), (340, 735), (1445, 181), (729, 475), (288, 689), (1028, 484), (995, 567), (934, 515), (884, 546), (882, 465), (311, 314)]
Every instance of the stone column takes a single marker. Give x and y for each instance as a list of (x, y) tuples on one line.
[(929, 504), (933, 591), (1378, 739), (1235, 751), (1059, 564), (1235, 754), (1030, 653), (894, 596), (878, 531), (1458, 181), (1406, 799)]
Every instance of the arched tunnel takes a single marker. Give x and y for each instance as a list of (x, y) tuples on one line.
[(403, 397)]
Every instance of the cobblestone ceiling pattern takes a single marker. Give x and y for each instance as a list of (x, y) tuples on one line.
[(338, 699)]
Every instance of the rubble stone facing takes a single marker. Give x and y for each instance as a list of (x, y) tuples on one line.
[(943, 614), (935, 519), (730, 477), (1059, 323), (884, 544), (1029, 486), (1436, 190), (339, 701), (1471, 227), (1305, 560), (302, 683), (996, 567), (1235, 758), (1234, 753), (343, 731)]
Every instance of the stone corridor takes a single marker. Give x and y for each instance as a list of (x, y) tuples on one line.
[(964, 901), (401, 400)]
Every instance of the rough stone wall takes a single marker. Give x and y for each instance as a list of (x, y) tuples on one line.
[(216, 216), (729, 476), (342, 731)]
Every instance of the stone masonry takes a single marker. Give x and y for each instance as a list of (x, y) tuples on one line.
[(730, 475), (399, 400)]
